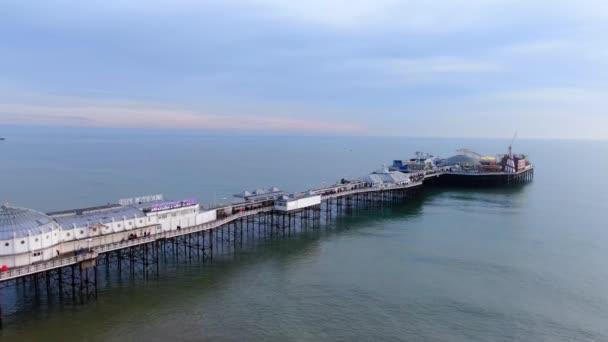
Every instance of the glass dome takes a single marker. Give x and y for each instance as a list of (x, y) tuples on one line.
[(462, 160), (22, 222)]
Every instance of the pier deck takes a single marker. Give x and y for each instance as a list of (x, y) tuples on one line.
[(143, 252), (327, 193)]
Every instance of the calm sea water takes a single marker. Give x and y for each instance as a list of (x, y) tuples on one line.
[(525, 264)]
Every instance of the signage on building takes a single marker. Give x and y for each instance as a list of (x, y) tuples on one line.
[(172, 205), (141, 199)]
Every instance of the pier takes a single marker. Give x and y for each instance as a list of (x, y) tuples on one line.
[(75, 278)]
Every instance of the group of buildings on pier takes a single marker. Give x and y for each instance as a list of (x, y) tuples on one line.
[(28, 236), (466, 161)]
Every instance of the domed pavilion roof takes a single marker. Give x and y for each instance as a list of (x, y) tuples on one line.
[(462, 159), (21, 222)]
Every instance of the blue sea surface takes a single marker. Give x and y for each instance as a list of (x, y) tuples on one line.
[(511, 264)]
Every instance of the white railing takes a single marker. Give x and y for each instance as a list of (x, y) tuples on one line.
[(56, 263), (105, 248), (45, 266), (213, 224), (173, 233), (124, 244), (371, 189)]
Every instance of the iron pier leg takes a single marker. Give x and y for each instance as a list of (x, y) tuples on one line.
[(73, 282), (211, 243), (95, 281), (81, 284)]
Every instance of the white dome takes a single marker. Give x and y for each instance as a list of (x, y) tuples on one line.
[(22, 222), (462, 159)]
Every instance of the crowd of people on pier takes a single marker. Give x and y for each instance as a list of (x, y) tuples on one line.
[(417, 177)]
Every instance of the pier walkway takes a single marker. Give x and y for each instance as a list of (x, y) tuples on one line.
[(367, 190), (327, 193), (23, 271)]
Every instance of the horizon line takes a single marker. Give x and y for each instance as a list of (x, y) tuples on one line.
[(259, 133)]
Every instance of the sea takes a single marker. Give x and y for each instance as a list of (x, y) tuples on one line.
[(525, 263)]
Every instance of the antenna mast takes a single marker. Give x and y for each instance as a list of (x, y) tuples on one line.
[(512, 140)]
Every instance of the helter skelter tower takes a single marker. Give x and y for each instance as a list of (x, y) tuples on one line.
[(509, 166)]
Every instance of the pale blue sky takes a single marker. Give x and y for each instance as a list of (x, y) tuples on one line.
[(473, 68)]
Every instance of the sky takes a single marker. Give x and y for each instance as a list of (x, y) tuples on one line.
[(458, 68)]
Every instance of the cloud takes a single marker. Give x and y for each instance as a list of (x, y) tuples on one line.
[(334, 13), (541, 47), (426, 16), (435, 65), (583, 103), (89, 113), (397, 73), (407, 14), (556, 96), (349, 66)]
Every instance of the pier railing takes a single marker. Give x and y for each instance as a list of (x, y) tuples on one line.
[(95, 251), (47, 265), (174, 233), (125, 244), (217, 223), (214, 224), (371, 189)]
